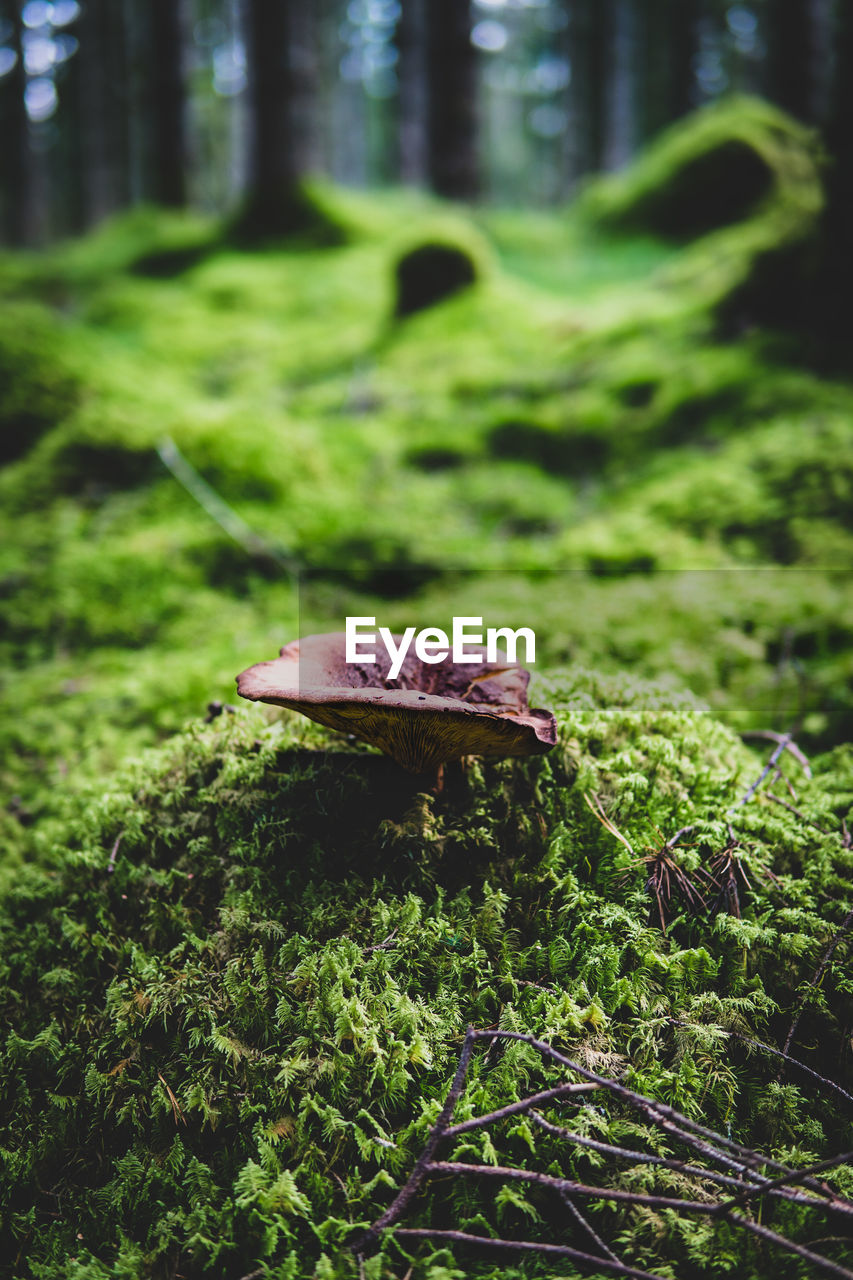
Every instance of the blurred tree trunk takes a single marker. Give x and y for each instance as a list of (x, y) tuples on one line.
[(452, 99), (833, 308), (789, 67), (102, 107), (157, 102), (15, 160), (412, 97), (620, 130), (591, 30), (667, 45), (282, 93), (167, 105), (69, 187)]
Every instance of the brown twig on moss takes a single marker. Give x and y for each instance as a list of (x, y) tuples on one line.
[(796, 812), (726, 872), (517, 1108), (843, 929), (644, 1157), (749, 1183), (526, 1246), (780, 1053), (664, 874), (111, 865), (784, 742), (787, 743)]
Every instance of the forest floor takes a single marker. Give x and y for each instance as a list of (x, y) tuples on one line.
[(239, 954)]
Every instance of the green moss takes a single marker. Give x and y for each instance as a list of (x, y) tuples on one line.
[(598, 425), (204, 1044), (37, 385)]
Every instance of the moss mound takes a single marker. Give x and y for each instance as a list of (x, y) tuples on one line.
[(429, 273), (231, 1015), (719, 166), (742, 177), (37, 386)]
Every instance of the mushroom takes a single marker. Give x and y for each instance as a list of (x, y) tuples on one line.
[(430, 714)]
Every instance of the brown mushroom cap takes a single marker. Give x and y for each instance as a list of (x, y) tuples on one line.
[(431, 713)]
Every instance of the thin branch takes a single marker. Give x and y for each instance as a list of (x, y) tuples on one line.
[(796, 812), (816, 977), (514, 1108), (682, 831), (421, 1168), (526, 1246), (216, 507), (111, 865), (387, 944), (711, 1209), (758, 1185), (798, 754), (780, 1053), (602, 817), (566, 1184), (750, 1184), (817, 1259), (590, 1230), (658, 1112), (525, 982), (797, 1175), (782, 742)]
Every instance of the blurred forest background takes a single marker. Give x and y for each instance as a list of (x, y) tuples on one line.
[(113, 102)]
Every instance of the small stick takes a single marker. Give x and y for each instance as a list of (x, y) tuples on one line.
[(419, 1172), (217, 508), (771, 764), (385, 945), (111, 865), (176, 1106), (682, 831), (825, 1264), (514, 1108), (438, 1167), (798, 754), (780, 1053), (524, 982), (587, 1226), (759, 1185), (785, 805), (747, 1194), (599, 813), (526, 1246), (658, 1112), (750, 1184), (816, 977), (710, 1209)]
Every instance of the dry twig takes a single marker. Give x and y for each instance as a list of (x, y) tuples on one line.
[(748, 1183)]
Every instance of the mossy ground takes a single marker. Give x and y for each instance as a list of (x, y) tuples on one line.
[(675, 505), (208, 1041)]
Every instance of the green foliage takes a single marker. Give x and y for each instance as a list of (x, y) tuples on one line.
[(228, 1050)]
